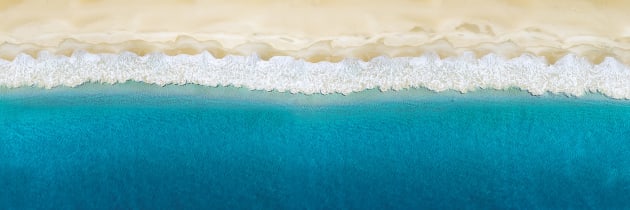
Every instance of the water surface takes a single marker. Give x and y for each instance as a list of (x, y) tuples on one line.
[(189, 147)]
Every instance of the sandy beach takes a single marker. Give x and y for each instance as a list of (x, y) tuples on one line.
[(318, 30)]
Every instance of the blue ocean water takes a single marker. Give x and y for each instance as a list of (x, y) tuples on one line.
[(145, 147)]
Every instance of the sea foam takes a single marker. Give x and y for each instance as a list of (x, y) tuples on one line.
[(571, 75)]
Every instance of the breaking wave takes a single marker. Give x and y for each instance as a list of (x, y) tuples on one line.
[(571, 74)]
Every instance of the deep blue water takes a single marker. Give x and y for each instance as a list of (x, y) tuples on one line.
[(162, 149)]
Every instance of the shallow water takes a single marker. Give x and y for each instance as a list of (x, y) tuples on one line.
[(144, 147)]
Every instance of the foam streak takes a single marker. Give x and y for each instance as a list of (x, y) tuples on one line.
[(571, 75)]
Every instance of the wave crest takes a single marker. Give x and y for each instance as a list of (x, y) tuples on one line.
[(571, 75)]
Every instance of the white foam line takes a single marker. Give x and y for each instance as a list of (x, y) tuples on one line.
[(571, 75)]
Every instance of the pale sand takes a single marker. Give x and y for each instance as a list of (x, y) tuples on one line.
[(318, 30)]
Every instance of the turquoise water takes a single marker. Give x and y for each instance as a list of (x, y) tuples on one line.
[(145, 147)]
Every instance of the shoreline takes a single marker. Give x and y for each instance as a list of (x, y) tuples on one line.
[(571, 75)]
